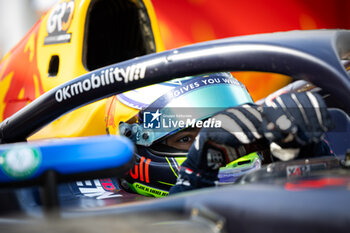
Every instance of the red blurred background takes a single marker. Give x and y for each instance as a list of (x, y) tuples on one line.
[(184, 22), (187, 21)]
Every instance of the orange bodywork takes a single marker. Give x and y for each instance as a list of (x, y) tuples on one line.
[(25, 70), (19, 75)]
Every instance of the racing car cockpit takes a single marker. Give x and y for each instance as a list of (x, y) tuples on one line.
[(289, 196)]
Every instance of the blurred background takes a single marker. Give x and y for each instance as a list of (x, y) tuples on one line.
[(181, 22), (188, 21), (17, 17), (184, 22)]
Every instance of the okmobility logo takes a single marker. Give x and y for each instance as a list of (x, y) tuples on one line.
[(106, 77), (158, 120)]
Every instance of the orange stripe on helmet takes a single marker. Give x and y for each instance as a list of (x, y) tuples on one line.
[(146, 170), (141, 168)]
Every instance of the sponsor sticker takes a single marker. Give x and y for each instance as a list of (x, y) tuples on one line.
[(59, 22), (98, 188), (146, 190), (104, 78), (298, 170), (20, 162)]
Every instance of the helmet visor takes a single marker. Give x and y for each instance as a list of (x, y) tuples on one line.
[(188, 105)]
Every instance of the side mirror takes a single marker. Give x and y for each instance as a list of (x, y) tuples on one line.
[(49, 162)]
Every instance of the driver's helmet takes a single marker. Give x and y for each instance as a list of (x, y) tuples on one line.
[(150, 115)]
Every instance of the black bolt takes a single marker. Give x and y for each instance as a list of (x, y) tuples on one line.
[(127, 132), (145, 136)]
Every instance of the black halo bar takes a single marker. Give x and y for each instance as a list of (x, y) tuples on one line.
[(286, 53)]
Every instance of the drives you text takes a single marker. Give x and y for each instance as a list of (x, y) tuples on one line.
[(106, 77)]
